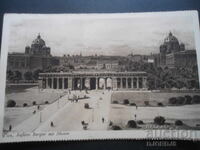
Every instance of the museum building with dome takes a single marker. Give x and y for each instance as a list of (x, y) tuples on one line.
[(173, 54), (36, 56)]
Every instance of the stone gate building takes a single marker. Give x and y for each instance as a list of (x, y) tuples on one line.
[(94, 80)]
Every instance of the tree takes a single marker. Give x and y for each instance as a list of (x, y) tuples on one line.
[(178, 123), (126, 101), (196, 99), (10, 75), (116, 127), (160, 104), (140, 122), (25, 105), (86, 105), (159, 120), (34, 103), (172, 100), (11, 103), (17, 76), (146, 103), (132, 124), (115, 102), (36, 74), (159, 78), (188, 99), (180, 100), (28, 75)]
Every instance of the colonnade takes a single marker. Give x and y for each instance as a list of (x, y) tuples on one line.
[(95, 82)]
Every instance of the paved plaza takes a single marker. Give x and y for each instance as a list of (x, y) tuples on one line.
[(67, 114), (69, 117)]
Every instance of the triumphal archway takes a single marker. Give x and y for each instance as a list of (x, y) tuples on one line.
[(93, 80)]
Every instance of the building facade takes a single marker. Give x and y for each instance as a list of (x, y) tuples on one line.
[(94, 80), (186, 59), (36, 56), (108, 65), (173, 54)]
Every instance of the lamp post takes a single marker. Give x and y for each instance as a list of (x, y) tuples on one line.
[(40, 116), (92, 114), (58, 102)]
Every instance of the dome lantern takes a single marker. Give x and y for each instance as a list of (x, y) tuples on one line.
[(38, 41), (171, 38)]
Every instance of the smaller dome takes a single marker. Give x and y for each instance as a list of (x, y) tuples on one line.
[(182, 46), (39, 41), (162, 46), (170, 38)]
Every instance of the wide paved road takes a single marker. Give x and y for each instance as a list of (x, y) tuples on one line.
[(69, 117)]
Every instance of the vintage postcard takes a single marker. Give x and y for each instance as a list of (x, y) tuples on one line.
[(100, 76)]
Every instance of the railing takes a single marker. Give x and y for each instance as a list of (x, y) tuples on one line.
[(92, 74)]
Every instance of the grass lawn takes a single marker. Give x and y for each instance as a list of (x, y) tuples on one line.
[(188, 114)]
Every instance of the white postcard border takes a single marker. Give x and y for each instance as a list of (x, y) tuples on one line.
[(89, 135)]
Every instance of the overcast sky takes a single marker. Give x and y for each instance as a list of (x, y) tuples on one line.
[(99, 34)]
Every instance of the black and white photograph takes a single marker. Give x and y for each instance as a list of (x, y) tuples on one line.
[(87, 74)]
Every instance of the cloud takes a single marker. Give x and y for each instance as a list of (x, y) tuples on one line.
[(100, 34)]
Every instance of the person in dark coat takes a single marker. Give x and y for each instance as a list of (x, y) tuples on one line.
[(10, 127), (103, 120), (52, 124)]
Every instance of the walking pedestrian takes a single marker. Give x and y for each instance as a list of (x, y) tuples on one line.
[(82, 122), (103, 120), (111, 123), (52, 124), (10, 127)]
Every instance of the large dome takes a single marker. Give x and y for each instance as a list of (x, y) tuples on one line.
[(38, 41), (171, 39)]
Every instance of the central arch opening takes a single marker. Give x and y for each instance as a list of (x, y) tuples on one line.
[(77, 84), (109, 83)]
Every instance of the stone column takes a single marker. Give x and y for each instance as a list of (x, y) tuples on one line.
[(105, 83), (81, 83), (87, 83), (43, 85), (40, 84), (114, 83), (52, 83), (70, 83), (89, 80), (57, 83), (126, 83), (47, 85), (63, 83), (117, 84), (121, 85), (97, 83), (144, 82), (131, 83), (49, 81), (137, 82)]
